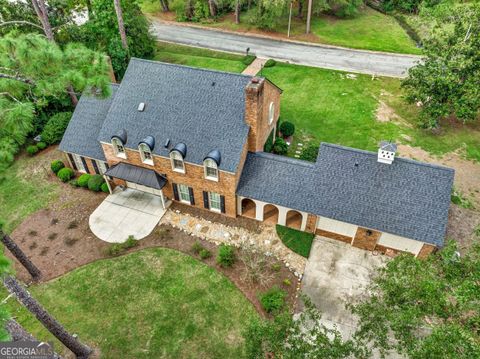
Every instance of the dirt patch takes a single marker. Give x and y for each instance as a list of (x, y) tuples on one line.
[(461, 226), (385, 113)]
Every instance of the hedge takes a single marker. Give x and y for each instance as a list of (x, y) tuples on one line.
[(83, 180), (32, 149), (95, 183), (56, 166), (65, 174), (287, 128), (104, 187)]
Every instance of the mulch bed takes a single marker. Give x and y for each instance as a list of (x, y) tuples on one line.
[(58, 240)]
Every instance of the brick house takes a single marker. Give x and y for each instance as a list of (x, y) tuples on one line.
[(196, 136)]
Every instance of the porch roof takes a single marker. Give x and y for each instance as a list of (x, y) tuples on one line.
[(138, 175)]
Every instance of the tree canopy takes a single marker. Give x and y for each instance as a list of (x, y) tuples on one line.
[(35, 72), (447, 83), (425, 308)]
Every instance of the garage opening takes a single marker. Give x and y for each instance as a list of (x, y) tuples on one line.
[(249, 208), (294, 219), (270, 214)]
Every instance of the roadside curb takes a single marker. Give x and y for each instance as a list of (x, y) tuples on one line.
[(272, 38)]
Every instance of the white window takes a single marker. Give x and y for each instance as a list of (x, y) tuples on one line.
[(211, 170), (183, 193), (214, 201), (177, 161), (145, 154), (118, 148), (271, 113), (102, 167), (78, 163)]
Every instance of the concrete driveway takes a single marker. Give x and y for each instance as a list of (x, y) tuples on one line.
[(125, 213), (336, 274), (328, 57)]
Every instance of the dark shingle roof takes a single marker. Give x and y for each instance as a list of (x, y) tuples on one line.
[(135, 174), (407, 198), (202, 108), (81, 134)]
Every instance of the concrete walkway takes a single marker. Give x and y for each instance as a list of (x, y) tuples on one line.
[(329, 57), (125, 213), (255, 67)]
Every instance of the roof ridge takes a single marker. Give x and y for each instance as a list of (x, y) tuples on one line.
[(191, 67), (283, 159), (409, 160)]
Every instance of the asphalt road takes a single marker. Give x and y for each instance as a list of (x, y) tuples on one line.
[(304, 54)]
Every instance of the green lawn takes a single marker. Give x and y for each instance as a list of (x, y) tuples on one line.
[(155, 303), (298, 241), (369, 30), (24, 189), (197, 57)]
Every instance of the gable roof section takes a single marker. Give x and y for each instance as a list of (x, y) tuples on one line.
[(82, 131), (135, 174), (407, 198), (202, 108)]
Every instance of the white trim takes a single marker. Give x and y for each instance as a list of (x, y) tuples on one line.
[(215, 166), (77, 159), (271, 113), (218, 210), (173, 154), (116, 143)]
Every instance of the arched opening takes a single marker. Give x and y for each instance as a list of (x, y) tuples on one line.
[(294, 219), (249, 208), (270, 214)]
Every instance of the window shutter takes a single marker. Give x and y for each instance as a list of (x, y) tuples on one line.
[(222, 203), (95, 167), (84, 164), (205, 200), (70, 157), (175, 191), (192, 199)]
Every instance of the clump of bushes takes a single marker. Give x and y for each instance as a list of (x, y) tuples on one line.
[(205, 253), (56, 166), (65, 174), (268, 147), (83, 180), (248, 59), (280, 147), (273, 300), (41, 145), (73, 182), (104, 187), (95, 183), (32, 149), (118, 248), (309, 153), (270, 63), (287, 128), (55, 127), (226, 255)]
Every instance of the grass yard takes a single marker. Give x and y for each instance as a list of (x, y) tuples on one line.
[(369, 30), (197, 57), (155, 303), (24, 189), (298, 241)]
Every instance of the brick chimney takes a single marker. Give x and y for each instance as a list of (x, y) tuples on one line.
[(253, 112)]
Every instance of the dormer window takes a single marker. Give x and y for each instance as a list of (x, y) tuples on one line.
[(211, 169), (177, 161), (145, 154), (118, 148)]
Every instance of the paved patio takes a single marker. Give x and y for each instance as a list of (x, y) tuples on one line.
[(125, 213)]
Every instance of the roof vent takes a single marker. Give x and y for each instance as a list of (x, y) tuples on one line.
[(167, 143), (213, 83), (386, 152), (141, 107), (255, 80)]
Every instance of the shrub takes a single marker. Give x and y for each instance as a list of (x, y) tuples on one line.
[(65, 174), (268, 143), (73, 183), (287, 128), (32, 149), (196, 247), (205, 253), (83, 180), (56, 166), (287, 282), (270, 63), (104, 187), (95, 183), (247, 60), (41, 145), (226, 255), (55, 127), (276, 267), (280, 147), (309, 153), (118, 248), (273, 300)]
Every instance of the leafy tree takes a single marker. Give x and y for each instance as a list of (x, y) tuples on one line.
[(269, 13), (34, 70), (4, 315), (303, 337), (425, 308), (447, 82)]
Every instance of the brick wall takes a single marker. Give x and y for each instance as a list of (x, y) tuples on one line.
[(193, 177)]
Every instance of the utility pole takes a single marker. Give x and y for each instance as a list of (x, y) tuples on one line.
[(309, 16), (290, 19)]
